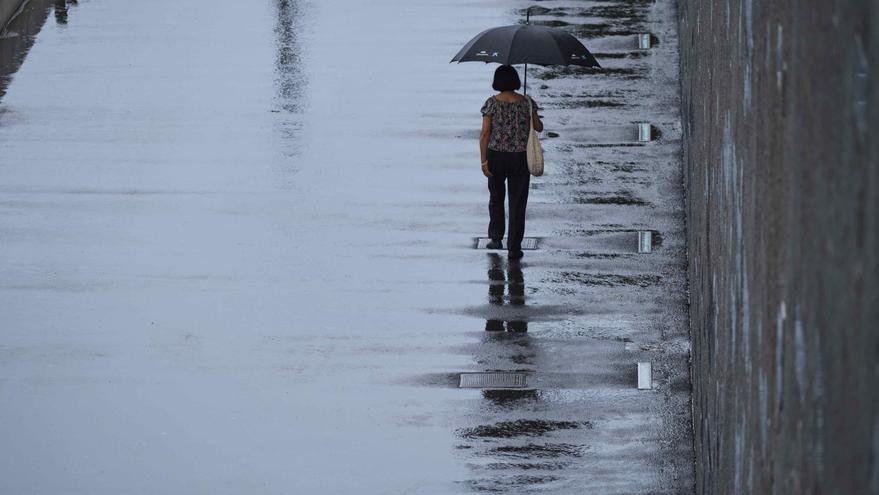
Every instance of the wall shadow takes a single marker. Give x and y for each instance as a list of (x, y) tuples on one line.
[(19, 36)]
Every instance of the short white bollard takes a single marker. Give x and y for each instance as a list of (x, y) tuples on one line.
[(645, 241), (644, 41), (645, 376), (645, 132)]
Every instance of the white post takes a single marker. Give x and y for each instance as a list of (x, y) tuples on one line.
[(645, 376)]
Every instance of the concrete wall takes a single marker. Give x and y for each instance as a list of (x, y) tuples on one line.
[(781, 111), (20, 34)]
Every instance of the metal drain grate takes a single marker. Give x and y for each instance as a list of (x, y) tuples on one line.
[(493, 380), (528, 243)]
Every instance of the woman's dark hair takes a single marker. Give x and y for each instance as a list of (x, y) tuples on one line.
[(506, 79)]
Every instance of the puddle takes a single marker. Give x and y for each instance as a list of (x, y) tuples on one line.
[(528, 243), (585, 103), (622, 236), (608, 279), (617, 198), (438, 380), (525, 466), (507, 278), (553, 450), (626, 168), (635, 55), (574, 71), (539, 10), (621, 17), (510, 397), (503, 485), (625, 13), (600, 29), (635, 181), (628, 44), (521, 428), (548, 23), (598, 256), (511, 326), (579, 174), (527, 359)]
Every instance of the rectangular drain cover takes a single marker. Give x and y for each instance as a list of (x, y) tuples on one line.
[(493, 380), (527, 243)]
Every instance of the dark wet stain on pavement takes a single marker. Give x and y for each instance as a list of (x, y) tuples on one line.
[(618, 198), (607, 279), (543, 451), (520, 428), (574, 71)]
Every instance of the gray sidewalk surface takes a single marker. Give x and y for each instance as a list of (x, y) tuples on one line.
[(238, 247)]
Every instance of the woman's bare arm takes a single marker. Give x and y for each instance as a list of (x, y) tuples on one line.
[(535, 119), (483, 145)]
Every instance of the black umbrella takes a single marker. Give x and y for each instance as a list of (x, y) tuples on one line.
[(526, 44)]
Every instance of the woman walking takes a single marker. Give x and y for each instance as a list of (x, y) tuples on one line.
[(506, 123)]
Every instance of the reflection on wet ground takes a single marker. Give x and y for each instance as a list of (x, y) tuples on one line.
[(61, 9), (513, 283), (244, 237), (290, 77), (519, 454)]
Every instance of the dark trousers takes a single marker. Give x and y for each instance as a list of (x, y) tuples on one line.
[(509, 171)]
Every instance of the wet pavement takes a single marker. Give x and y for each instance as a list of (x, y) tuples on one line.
[(239, 256)]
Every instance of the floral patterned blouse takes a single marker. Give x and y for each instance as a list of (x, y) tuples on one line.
[(510, 123)]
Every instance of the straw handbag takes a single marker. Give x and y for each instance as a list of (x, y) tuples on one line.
[(534, 151)]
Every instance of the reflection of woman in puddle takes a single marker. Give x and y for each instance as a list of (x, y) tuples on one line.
[(514, 279), (506, 124)]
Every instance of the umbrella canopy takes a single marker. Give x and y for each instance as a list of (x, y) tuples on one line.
[(526, 44)]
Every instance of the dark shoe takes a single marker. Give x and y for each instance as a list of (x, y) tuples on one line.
[(515, 254), (494, 244)]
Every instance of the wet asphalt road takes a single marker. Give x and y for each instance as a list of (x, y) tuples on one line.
[(238, 256)]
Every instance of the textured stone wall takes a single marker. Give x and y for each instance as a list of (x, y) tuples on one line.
[(19, 34), (781, 112), (7, 8)]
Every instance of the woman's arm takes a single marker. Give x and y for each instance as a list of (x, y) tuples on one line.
[(535, 119), (483, 144)]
